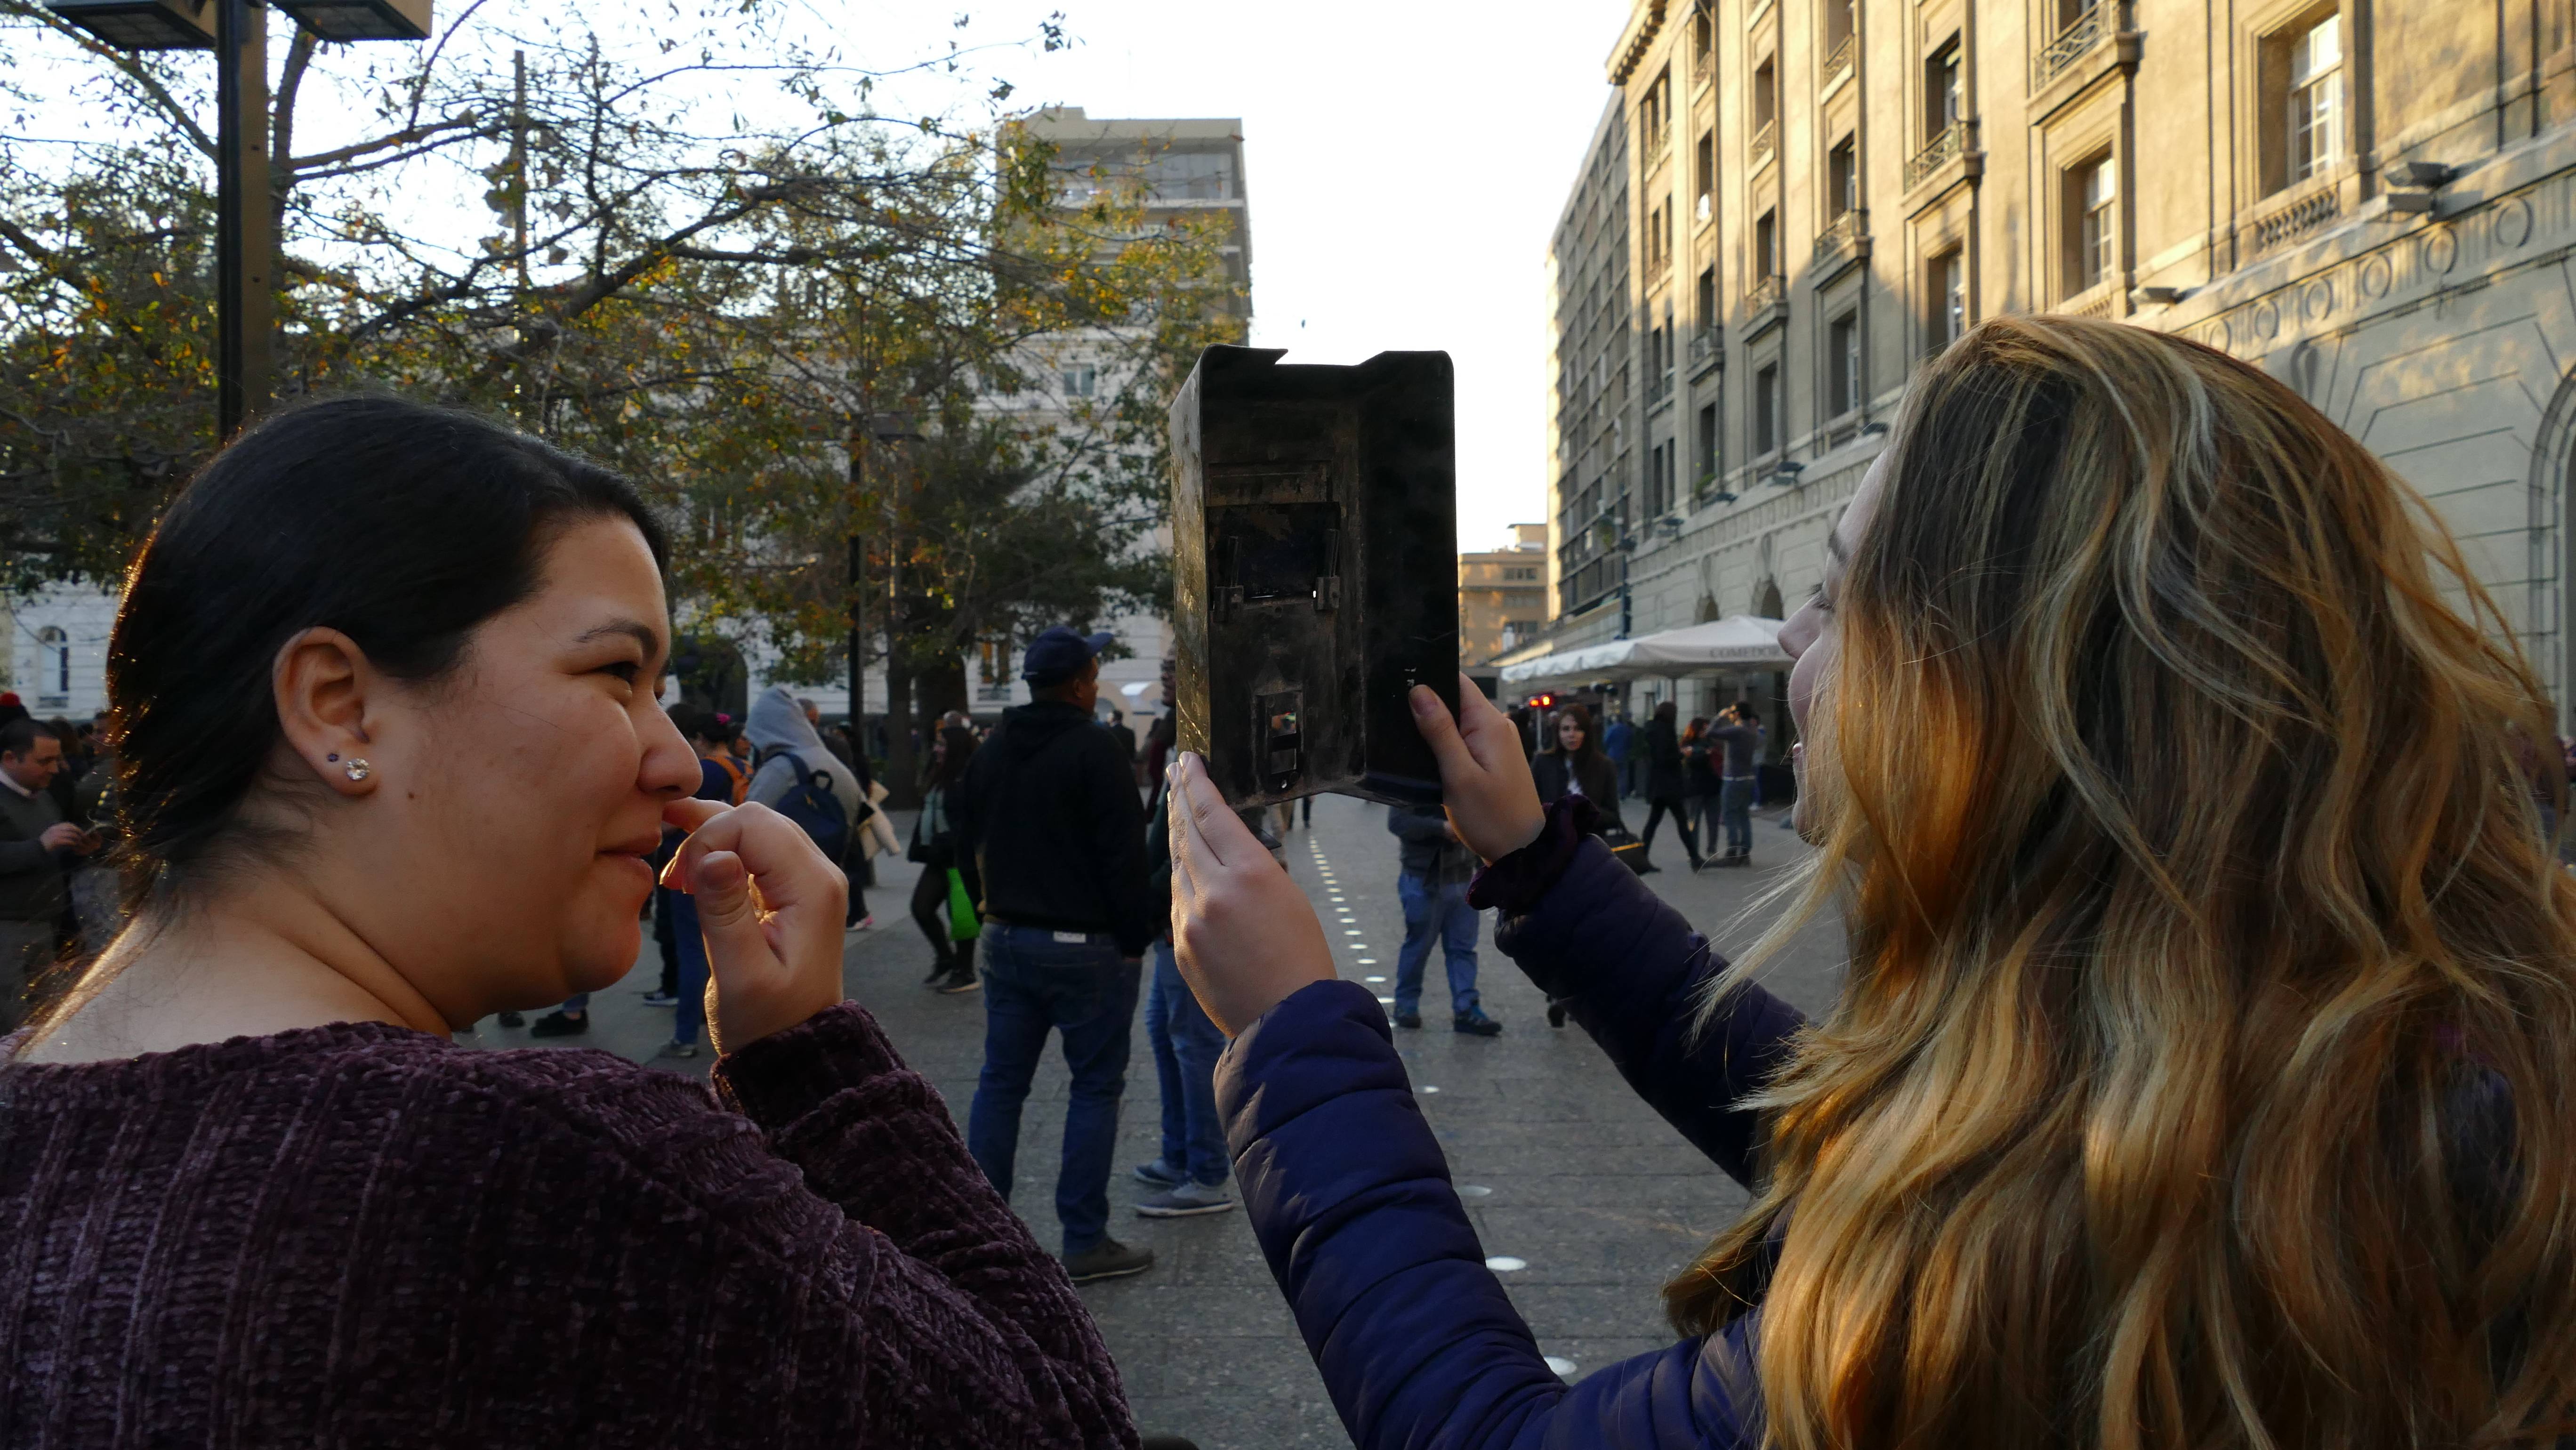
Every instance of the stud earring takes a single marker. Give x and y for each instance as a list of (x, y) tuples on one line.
[(358, 769), (334, 755)]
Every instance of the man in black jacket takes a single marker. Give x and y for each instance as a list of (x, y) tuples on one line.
[(1433, 870), (1050, 812), (1664, 784)]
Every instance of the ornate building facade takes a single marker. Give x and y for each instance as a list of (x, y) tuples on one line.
[(2374, 200)]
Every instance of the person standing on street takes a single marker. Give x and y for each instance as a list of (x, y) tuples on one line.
[(1664, 786), (1191, 1172), (1126, 734), (35, 844), (1618, 741), (934, 846), (1742, 740), (1052, 817), (1431, 882)]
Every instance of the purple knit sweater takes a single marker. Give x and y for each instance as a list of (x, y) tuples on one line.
[(361, 1235)]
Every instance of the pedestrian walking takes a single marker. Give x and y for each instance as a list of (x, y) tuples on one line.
[(37, 847), (945, 871), (1739, 739), (810, 786), (1052, 815), (1619, 742), (257, 1194), (1191, 1172), (1699, 778), (1433, 869), (1664, 786)]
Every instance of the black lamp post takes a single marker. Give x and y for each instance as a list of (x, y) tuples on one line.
[(883, 428), (245, 241)]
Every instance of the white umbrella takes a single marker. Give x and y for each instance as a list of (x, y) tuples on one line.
[(1737, 642)]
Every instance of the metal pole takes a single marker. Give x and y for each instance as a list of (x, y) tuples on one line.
[(858, 596), (245, 242)]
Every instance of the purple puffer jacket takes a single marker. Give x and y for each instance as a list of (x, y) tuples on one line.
[(1351, 1199)]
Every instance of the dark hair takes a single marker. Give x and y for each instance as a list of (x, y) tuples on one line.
[(401, 525), (961, 744), (1582, 718), (693, 723), (19, 737)]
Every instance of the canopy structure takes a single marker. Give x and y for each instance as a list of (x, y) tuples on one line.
[(1737, 642)]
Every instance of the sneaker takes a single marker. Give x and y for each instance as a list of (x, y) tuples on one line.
[(961, 980), (1187, 1201), (1160, 1174), (1555, 1015), (512, 1019), (1408, 1019), (1107, 1259), (678, 1049), (557, 1024), (660, 998), (1475, 1024), (937, 971)]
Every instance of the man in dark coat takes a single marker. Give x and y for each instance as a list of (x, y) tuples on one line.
[(1664, 783)]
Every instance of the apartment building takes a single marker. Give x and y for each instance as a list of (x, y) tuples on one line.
[(2374, 200), (1502, 595)]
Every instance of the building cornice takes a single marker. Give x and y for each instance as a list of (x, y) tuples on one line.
[(1644, 22)]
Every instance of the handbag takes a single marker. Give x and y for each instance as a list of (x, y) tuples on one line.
[(1625, 846), (962, 925)]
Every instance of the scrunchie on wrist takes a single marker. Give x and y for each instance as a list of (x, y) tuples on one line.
[(1514, 883)]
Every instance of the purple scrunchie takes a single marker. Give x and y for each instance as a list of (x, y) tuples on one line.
[(1517, 881)]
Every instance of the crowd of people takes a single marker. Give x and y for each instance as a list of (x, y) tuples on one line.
[(58, 900), (2193, 1080)]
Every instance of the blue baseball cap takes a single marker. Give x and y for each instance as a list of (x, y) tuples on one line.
[(1059, 654)]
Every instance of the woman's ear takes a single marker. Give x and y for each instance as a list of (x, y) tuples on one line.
[(322, 683)]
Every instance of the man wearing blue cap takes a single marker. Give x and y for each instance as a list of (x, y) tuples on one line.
[(1050, 810)]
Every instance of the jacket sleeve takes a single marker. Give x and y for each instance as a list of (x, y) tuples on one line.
[(770, 783), (1120, 846), (851, 1250), (1350, 1200), (1418, 827), (1631, 970)]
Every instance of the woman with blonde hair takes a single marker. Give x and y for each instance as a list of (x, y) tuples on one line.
[(2196, 1076)]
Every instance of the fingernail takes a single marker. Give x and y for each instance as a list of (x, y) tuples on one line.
[(719, 871), (1423, 699)]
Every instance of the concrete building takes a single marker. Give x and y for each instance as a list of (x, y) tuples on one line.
[(2374, 200), (1502, 595)]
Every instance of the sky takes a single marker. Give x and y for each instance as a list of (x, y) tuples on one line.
[(1405, 162)]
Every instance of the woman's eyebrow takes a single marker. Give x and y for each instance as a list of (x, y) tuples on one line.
[(642, 633)]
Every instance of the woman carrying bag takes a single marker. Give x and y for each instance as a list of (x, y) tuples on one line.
[(943, 900)]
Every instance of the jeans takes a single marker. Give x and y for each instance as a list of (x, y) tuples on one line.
[(1431, 910), (1034, 983), (1735, 807), (1186, 1046), (690, 1012), (575, 1005)]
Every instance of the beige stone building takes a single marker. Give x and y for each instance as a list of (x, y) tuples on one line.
[(1789, 203), (1502, 595)]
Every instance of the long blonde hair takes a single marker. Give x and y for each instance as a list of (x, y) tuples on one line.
[(2200, 1074)]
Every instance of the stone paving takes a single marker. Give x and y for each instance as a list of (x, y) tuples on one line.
[(1579, 1181)]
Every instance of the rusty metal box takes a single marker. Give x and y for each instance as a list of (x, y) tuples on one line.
[(1315, 570)]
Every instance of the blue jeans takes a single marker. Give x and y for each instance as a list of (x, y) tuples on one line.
[(1735, 807), (1443, 911), (691, 1010), (1083, 989), (1186, 1047)]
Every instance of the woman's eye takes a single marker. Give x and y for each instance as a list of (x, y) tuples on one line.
[(626, 670)]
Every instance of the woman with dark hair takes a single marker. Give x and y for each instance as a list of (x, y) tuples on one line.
[(2198, 1075), (1573, 764), (390, 760), (934, 845)]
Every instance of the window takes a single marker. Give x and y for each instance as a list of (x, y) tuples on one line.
[(1843, 364), (1766, 409), (1703, 38), (1766, 96), (2070, 11), (1947, 281), (1704, 174), (1706, 437), (54, 658), (1842, 178), (1081, 380), (1707, 298), (2091, 189), (1655, 113), (1766, 246), (2315, 119), (1943, 103), (1838, 22), (1518, 572), (1659, 237)]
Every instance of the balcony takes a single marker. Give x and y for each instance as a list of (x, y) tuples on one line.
[(1842, 245), (1766, 144), (1766, 305), (1953, 148), (2295, 213), (2071, 44), (1707, 350), (1838, 62), (1659, 390)]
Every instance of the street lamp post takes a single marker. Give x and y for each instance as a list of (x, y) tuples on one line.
[(245, 237), (884, 428)]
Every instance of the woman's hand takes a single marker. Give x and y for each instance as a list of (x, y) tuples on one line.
[(769, 906), (1243, 933), (1484, 777)]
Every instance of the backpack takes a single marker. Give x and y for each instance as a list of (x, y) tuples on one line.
[(811, 805)]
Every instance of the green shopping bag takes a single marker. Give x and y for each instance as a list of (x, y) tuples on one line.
[(962, 925)]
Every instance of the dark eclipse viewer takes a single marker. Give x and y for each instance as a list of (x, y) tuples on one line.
[(254, 1192)]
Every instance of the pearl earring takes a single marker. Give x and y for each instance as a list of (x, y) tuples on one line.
[(358, 769)]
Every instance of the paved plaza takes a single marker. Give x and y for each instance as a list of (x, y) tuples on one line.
[(1560, 1167)]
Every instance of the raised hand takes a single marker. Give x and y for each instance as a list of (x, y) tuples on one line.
[(1484, 777), (770, 907), (1242, 932)]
